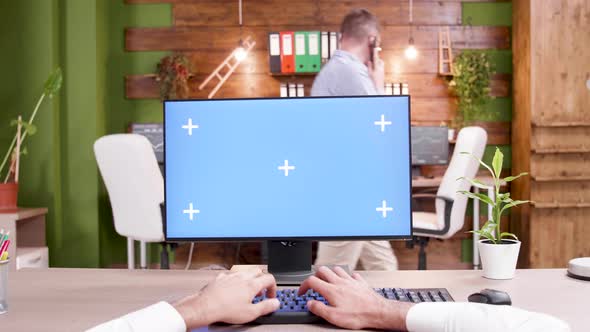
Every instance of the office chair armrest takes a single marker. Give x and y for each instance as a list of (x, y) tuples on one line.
[(448, 208), (444, 198), (426, 190)]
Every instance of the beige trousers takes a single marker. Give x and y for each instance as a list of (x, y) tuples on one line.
[(373, 255)]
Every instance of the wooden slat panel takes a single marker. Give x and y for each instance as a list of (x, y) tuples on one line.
[(560, 68), (561, 192), (498, 132), (558, 235), (311, 13), (141, 87), (564, 165), (251, 86), (560, 178), (560, 138), (421, 85), (557, 205), (218, 38)]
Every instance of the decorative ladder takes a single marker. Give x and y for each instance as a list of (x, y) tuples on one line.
[(230, 64), (445, 52)]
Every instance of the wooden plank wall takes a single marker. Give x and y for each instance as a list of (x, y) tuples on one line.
[(552, 129), (207, 31)]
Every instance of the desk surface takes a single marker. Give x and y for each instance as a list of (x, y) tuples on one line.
[(76, 299)]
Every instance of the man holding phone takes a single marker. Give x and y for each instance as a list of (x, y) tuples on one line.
[(355, 70)]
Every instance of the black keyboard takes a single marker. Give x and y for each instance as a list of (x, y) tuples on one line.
[(293, 309)]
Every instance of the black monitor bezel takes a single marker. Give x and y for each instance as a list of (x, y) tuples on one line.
[(282, 238)]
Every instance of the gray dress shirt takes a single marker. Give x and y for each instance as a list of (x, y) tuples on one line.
[(344, 75)]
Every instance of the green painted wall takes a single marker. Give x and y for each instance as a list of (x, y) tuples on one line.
[(85, 38), (60, 172), (30, 50), (487, 13)]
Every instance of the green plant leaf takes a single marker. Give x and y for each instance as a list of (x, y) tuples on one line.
[(489, 226), (512, 178), (24, 151), (30, 129), (53, 83), (505, 198), (506, 234), (478, 196), (480, 161), (512, 204), (485, 234), (474, 182), (497, 162)]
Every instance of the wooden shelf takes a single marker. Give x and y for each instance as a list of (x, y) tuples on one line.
[(291, 74), (557, 205), (561, 150), (560, 178)]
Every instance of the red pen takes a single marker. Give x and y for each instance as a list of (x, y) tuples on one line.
[(4, 247)]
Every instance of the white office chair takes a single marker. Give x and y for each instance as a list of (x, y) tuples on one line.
[(135, 185), (450, 205)]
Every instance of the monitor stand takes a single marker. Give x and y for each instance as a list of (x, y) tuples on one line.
[(289, 261)]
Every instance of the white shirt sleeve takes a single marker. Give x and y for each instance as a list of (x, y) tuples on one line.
[(434, 317), (158, 317)]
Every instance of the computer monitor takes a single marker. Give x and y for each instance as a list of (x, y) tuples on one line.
[(288, 171), (154, 132), (430, 145)]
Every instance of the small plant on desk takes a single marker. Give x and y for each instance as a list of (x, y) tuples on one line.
[(498, 250)]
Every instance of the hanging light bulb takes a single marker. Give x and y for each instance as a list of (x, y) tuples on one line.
[(411, 52), (240, 52)]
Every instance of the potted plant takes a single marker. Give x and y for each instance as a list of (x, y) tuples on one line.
[(174, 72), (470, 82), (9, 181), (498, 250)]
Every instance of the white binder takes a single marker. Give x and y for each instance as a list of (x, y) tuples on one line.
[(300, 90), (292, 89), (325, 47), (284, 92), (333, 42)]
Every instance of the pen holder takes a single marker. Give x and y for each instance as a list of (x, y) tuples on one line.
[(4, 266)]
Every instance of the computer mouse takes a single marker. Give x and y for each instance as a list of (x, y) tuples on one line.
[(491, 296)]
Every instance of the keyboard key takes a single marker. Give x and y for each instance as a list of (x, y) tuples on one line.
[(424, 297)]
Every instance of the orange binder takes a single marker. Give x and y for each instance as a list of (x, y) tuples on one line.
[(287, 52)]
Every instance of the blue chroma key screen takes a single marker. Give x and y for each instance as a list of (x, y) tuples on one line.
[(288, 168)]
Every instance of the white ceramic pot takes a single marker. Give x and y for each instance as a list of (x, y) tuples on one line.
[(499, 260)]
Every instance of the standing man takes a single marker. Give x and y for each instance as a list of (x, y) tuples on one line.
[(355, 69)]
